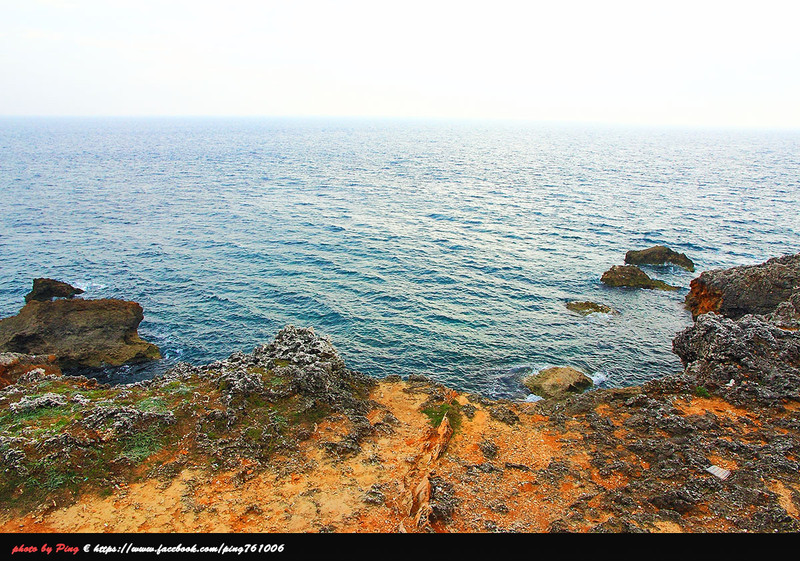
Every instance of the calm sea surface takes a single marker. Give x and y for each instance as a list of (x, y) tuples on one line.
[(446, 249)]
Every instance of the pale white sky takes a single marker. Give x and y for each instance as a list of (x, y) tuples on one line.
[(679, 63)]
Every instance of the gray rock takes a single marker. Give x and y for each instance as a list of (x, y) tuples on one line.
[(32, 403), (749, 359)]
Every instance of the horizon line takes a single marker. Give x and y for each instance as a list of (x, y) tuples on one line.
[(423, 118)]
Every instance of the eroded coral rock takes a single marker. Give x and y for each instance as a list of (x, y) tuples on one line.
[(586, 308), (15, 365), (32, 403), (749, 359)]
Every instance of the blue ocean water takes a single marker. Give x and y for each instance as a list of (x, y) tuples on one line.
[(439, 248)]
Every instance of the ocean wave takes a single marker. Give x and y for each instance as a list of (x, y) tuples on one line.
[(413, 256)]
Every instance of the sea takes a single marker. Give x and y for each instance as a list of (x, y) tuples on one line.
[(442, 248)]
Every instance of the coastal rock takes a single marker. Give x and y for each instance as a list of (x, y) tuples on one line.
[(586, 308), (749, 289), (636, 458), (749, 359), (659, 255), (631, 276), (15, 365), (27, 404), (47, 289), (557, 382), (79, 333), (787, 314), (316, 369), (300, 370)]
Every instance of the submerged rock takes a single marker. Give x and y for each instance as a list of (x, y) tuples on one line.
[(659, 255), (47, 289), (79, 333), (557, 382), (750, 289), (586, 308), (631, 276)]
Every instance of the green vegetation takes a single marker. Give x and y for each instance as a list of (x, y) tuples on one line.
[(103, 436), (437, 412), (701, 391), (143, 444), (155, 404), (310, 415)]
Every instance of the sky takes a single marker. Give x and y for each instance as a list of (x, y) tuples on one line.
[(671, 63)]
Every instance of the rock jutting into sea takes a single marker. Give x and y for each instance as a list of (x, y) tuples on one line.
[(47, 289), (631, 276), (659, 255), (749, 289), (79, 333)]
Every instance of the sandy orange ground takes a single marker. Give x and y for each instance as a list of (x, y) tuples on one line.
[(313, 491)]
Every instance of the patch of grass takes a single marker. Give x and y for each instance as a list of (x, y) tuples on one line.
[(99, 394), (701, 391), (252, 433), (143, 444), (43, 418), (154, 404), (275, 381), (311, 415), (55, 477), (177, 388), (256, 400), (436, 413), (279, 421)]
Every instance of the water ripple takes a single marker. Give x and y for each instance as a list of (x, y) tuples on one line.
[(448, 250)]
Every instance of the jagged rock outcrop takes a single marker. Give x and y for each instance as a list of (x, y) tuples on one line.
[(557, 382), (300, 368), (750, 289), (586, 308), (659, 255), (79, 333), (744, 344), (749, 359), (47, 289), (787, 314), (631, 276)]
